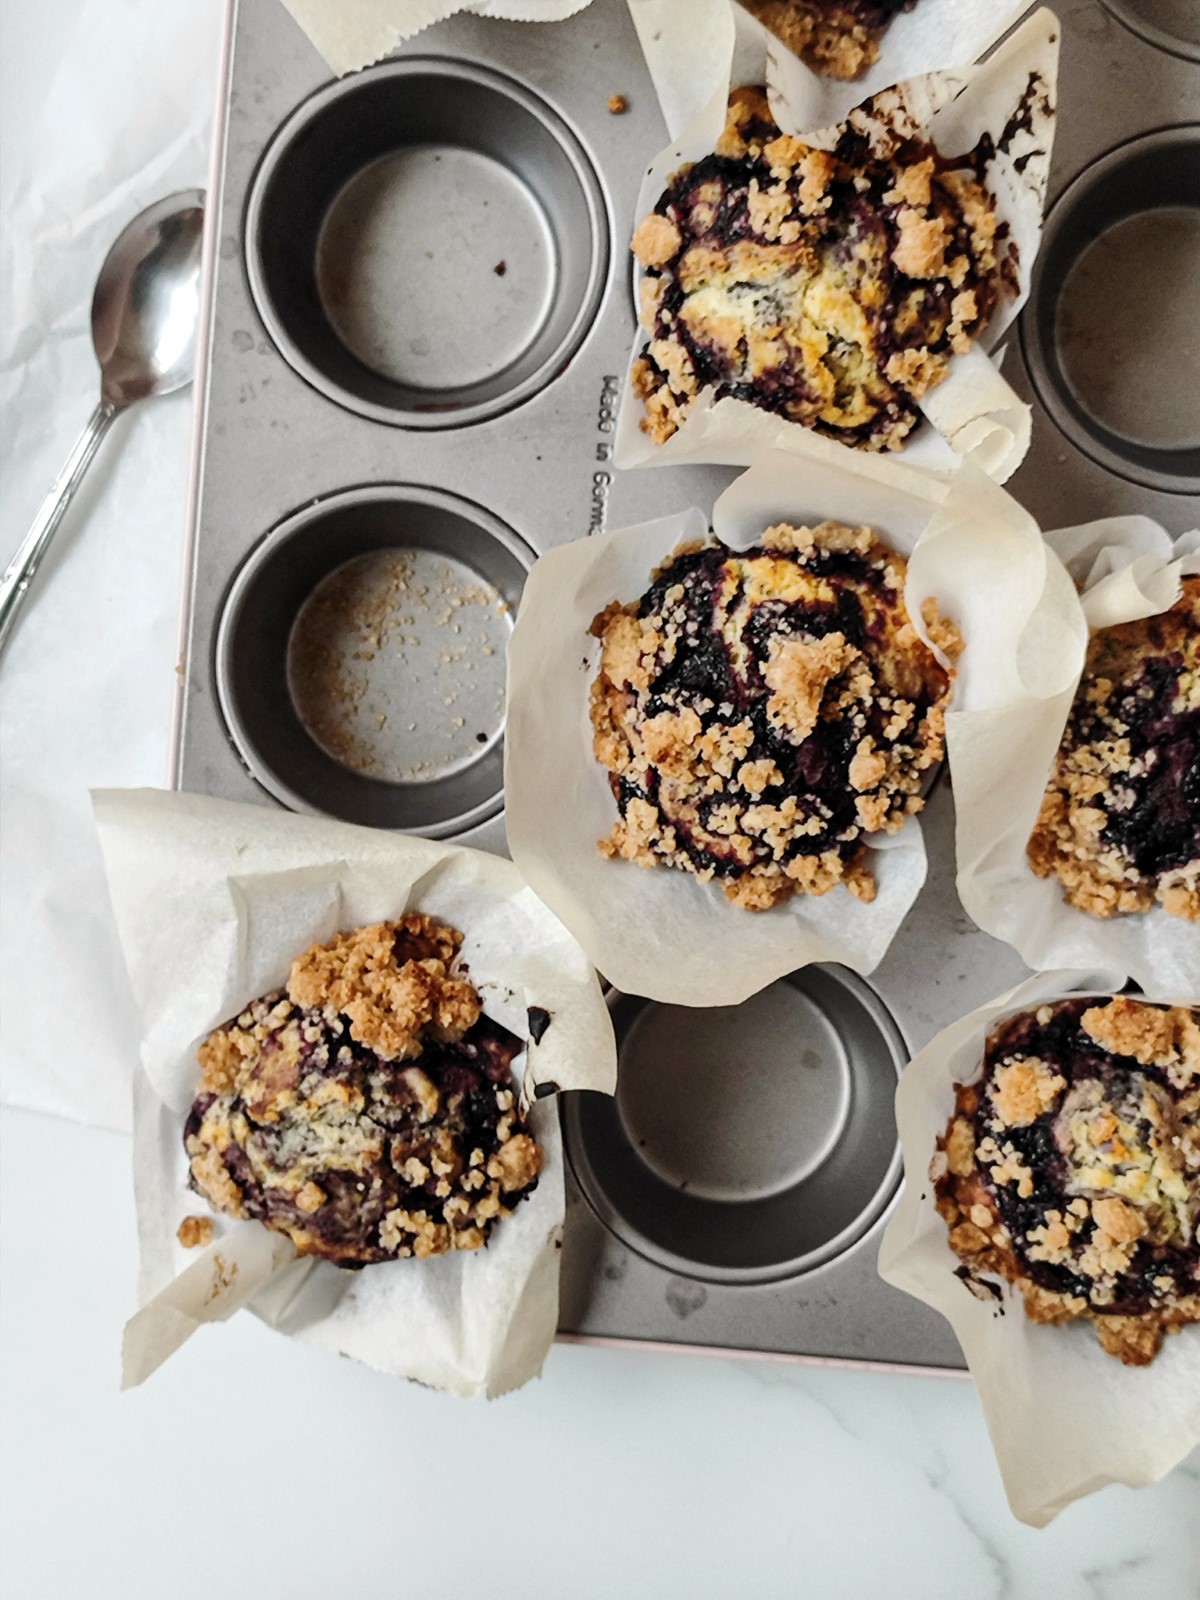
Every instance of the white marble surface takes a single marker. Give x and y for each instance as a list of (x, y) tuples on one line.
[(250, 1466)]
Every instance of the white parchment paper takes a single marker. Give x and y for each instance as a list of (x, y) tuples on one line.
[(1065, 1418), (87, 682), (354, 33), (686, 43), (213, 900), (975, 414), (1001, 753), (662, 933)]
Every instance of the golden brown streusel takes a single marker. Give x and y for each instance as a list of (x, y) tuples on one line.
[(1072, 1168), (392, 1008), (195, 1233), (832, 289), (760, 712), (837, 39), (1119, 824), (368, 1111)]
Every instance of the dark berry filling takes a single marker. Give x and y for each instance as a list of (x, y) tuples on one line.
[(1154, 812), (855, 223), (373, 1122), (1066, 1047)]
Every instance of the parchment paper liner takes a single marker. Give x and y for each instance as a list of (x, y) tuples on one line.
[(975, 414), (1001, 754), (212, 901), (662, 933), (1064, 1417), (686, 43), (355, 33)]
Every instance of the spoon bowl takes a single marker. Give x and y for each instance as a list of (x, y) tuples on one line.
[(145, 318), (146, 307)]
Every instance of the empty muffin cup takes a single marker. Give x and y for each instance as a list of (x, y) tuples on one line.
[(1112, 331), (360, 658), (745, 1143), (1172, 25), (427, 242)]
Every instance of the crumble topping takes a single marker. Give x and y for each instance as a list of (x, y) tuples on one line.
[(830, 288), (1072, 1168), (195, 1233), (1023, 1090), (391, 1008), (1119, 824), (839, 38), (368, 1110), (759, 713)]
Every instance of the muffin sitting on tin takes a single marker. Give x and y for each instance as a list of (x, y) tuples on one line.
[(368, 1110), (839, 38), (1072, 1168), (1119, 824), (761, 713), (830, 288)]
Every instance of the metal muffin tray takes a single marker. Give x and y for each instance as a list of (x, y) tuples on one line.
[(418, 311)]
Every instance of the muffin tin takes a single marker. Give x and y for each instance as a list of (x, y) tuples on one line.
[(1108, 348), (361, 613), (418, 313)]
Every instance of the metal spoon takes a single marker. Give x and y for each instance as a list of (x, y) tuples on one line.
[(145, 313)]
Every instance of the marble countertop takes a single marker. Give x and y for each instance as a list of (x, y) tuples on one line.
[(251, 1465)]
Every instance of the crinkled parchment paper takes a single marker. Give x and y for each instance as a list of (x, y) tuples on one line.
[(212, 902), (88, 678), (975, 414), (1065, 1418), (662, 933), (1001, 754), (354, 33), (687, 42)]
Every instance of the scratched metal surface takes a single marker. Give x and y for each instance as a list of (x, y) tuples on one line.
[(270, 443)]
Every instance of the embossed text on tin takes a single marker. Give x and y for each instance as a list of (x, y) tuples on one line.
[(606, 422)]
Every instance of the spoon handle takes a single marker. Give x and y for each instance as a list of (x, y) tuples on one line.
[(18, 575)]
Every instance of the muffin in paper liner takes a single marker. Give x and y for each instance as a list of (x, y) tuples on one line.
[(213, 901), (1065, 1418), (685, 43), (356, 33), (663, 933), (974, 413), (1001, 756)]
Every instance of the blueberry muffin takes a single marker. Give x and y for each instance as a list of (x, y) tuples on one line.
[(761, 713), (830, 288), (839, 38), (1119, 824), (367, 1110), (1072, 1168)]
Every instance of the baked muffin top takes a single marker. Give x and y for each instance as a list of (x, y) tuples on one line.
[(1119, 824), (367, 1110), (838, 38), (1072, 1168), (760, 713), (830, 288)]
